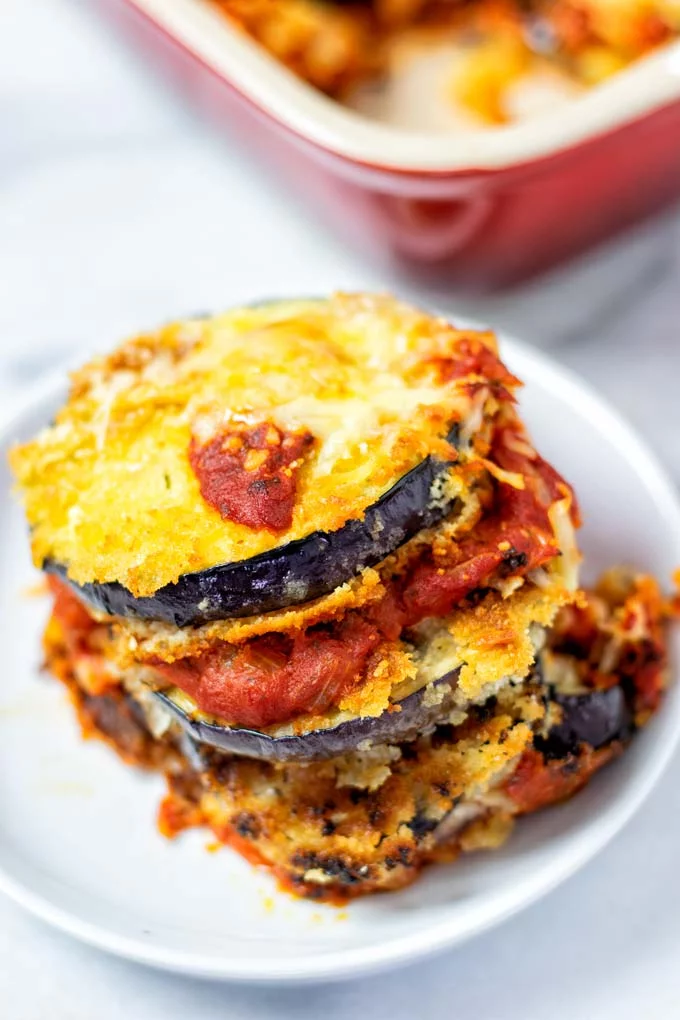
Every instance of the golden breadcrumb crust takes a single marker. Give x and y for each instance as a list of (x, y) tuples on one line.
[(315, 834), (494, 639), (109, 489)]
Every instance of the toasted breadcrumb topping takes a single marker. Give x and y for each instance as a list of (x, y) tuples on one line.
[(109, 489)]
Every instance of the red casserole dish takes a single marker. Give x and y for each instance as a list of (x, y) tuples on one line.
[(487, 209)]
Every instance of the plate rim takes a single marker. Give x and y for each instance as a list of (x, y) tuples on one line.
[(535, 367)]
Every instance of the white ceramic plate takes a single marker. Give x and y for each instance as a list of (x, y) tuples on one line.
[(78, 846)]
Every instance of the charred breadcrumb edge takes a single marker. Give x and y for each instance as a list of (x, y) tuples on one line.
[(333, 876)]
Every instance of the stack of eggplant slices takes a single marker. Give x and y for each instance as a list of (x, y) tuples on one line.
[(306, 562)]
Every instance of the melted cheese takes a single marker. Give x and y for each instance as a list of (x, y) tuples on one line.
[(109, 490)]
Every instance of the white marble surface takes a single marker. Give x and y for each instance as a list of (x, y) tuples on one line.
[(119, 208)]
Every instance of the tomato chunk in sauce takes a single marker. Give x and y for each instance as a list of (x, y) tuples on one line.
[(248, 473)]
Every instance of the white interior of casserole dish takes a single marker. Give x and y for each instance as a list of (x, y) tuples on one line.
[(206, 33)]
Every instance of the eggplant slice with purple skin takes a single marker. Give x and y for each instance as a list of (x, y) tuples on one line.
[(414, 716), (297, 572), (595, 718)]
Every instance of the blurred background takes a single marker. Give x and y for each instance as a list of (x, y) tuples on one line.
[(124, 203)]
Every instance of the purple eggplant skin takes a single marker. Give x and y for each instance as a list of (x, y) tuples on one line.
[(391, 727), (596, 719), (297, 572)]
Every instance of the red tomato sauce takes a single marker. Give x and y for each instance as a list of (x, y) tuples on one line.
[(249, 473), (78, 631), (276, 677), (176, 814)]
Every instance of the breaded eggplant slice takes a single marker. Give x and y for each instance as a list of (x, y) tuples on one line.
[(237, 465)]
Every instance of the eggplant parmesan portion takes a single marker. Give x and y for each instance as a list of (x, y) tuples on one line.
[(285, 416), (306, 561), (285, 447)]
